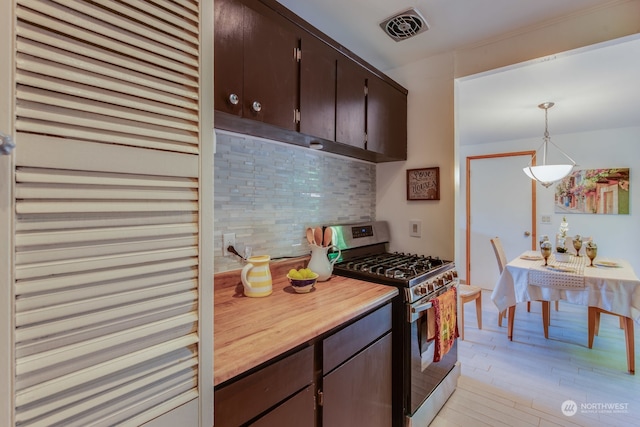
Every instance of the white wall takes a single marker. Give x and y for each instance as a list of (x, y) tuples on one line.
[(610, 21), (430, 144), (431, 124), (615, 235)]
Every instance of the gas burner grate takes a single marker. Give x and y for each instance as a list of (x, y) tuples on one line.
[(392, 265)]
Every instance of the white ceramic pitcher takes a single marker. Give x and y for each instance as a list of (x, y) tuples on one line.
[(320, 263), (256, 277)]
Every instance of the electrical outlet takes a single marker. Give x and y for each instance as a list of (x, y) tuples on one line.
[(228, 239), (415, 228)]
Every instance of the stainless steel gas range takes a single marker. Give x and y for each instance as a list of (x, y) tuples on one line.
[(421, 386)]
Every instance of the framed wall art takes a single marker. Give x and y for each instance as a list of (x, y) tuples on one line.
[(594, 191), (423, 184)]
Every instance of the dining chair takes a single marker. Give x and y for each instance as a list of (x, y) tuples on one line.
[(501, 257), (502, 263), (467, 294), (626, 323)]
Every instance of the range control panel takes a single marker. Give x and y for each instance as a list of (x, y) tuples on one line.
[(432, 287), (362, 231), (358, 235)]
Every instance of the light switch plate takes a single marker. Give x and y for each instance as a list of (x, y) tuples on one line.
[(415, 228), (545, 219)]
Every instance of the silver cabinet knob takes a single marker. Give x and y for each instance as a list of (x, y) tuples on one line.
[(233, 99), (256, 106), (6, 144), (527, 233)]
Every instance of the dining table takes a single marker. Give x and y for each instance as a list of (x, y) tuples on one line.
[(610, 286)]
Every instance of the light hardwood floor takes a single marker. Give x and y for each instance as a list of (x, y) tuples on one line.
[(525, 382)]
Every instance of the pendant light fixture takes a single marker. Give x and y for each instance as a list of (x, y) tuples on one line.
[(548, 174)]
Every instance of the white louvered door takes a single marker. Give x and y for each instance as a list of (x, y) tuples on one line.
[(111, 213)]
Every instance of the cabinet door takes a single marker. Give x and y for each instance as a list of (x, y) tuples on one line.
[(298, 411), (228, 57), (386, 119), (358, 393), (318, 89), (270, 68), (106, 314), (350, 103)]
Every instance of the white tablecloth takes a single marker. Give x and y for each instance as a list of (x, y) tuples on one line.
[(615, 289)]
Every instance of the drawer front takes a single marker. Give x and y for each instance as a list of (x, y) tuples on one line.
[(246, 398), (345, 343)]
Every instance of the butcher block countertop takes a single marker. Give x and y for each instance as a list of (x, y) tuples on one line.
[(250, 331)]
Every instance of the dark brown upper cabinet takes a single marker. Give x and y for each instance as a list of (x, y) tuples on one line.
[(386, 119), (228, 45), (278, 77), (317, 88), (256, 64), (370, 113), (351, 106)]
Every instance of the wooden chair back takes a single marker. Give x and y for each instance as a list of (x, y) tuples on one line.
[(499, 251)]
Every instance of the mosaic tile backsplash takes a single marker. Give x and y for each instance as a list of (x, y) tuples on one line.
[(268, 193)]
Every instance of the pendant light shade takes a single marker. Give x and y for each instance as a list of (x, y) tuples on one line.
[(544, 173)]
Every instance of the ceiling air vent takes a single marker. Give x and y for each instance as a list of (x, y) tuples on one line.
[(404, 25)]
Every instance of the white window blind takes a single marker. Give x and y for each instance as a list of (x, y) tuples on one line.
[(107, 203)]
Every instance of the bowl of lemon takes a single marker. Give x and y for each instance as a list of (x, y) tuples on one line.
[(302, 280)]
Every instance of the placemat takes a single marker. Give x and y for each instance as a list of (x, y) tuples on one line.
[(566, 275)]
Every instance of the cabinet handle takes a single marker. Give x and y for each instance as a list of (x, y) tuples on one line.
[(233, 99), (6, 144), (256, 106)]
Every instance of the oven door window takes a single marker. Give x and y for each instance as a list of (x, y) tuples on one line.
[(425, 336)]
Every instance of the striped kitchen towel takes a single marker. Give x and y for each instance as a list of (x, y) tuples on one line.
[(446, 322)]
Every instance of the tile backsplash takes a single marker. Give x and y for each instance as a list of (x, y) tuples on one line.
[(268, 193)]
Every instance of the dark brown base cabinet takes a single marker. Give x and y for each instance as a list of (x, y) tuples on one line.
[(358, 393), (278, 77), (343, 378), (298, 411), (275, 391)]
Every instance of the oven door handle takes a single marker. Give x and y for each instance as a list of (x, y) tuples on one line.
[(414, 311)]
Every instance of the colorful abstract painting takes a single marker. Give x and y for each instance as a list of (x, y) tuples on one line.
[(594, 191)]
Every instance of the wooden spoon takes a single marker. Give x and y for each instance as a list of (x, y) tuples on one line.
[(318, 236), (310, 237), (328, 234)]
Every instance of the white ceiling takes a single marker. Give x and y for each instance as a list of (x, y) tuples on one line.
[(453, 23), (593, 87)]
